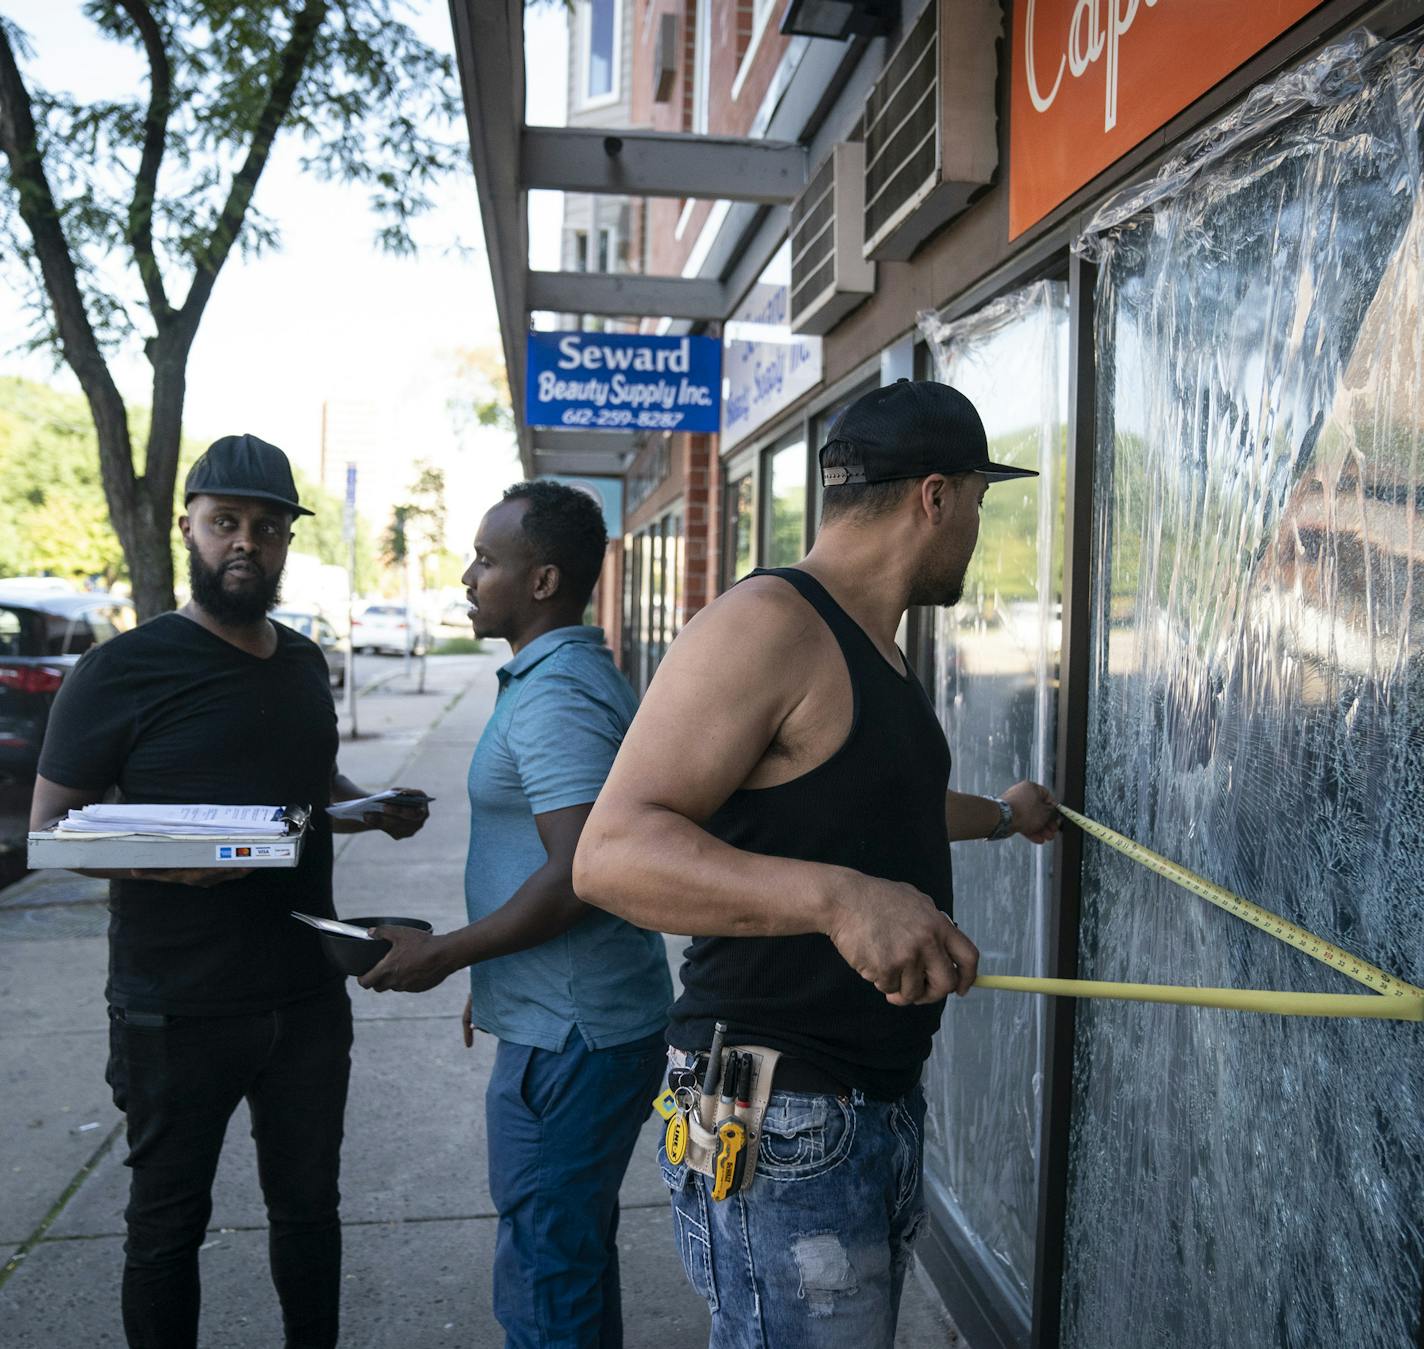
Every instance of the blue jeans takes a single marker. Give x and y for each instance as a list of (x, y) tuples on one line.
[(813, 1254), (562, 1128)]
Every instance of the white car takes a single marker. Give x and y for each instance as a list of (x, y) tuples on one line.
[(387, 628)]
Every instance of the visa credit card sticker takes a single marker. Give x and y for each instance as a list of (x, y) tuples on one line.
[(244, 852)]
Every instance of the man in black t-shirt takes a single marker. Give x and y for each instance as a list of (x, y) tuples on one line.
[(216, 995)]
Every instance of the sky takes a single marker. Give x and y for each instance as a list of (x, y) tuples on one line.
[(328, 316)]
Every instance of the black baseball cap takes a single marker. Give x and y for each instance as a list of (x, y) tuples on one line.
[(910, 429), (244, 466)]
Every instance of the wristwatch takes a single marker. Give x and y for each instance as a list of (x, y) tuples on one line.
[(1005, 828)]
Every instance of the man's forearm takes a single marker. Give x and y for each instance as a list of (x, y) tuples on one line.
[(543, 908), (343, 789), (659, 870), (970, 817)]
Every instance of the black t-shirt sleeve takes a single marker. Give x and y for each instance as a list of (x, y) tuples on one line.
[(90, 730)]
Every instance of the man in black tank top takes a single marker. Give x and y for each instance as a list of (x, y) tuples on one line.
[(783, 795)]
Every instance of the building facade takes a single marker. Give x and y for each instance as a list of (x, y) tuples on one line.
[(1175, 255)]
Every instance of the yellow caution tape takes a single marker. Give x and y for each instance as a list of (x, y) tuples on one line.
[(1405, 1008), (1281, 928)]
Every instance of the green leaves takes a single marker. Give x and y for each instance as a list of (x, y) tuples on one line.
[(117, 215), (373, 105)]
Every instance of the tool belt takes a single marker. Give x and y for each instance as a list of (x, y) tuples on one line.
[(714, 1137)]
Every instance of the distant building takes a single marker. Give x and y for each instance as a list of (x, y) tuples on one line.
[(600, 233)]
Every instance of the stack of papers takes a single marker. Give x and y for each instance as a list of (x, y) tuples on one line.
[(355, 810), (176, 821)]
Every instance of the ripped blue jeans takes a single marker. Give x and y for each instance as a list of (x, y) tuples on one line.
[(813, 1255)]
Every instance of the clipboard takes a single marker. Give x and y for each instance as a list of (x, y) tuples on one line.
[(49, 849)]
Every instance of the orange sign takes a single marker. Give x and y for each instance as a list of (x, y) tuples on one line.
[(1093, 78)]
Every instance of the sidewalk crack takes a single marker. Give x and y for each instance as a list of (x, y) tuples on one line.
[(70, 1190)]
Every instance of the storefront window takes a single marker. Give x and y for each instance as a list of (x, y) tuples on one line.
[(1257, 712), (653, 590), (997, 674), (786, 504), (738, 531)]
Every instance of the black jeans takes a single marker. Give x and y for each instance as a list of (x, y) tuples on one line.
[(179, 1079)]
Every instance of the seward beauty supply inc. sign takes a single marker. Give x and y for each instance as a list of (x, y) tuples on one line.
[(623, 382), (1094, 78)]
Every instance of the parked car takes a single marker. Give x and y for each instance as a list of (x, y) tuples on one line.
[(311, 624), (42, 635), (456, 614), (388, 628)]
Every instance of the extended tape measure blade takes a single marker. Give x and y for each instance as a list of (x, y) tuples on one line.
[(1231, 999), (1292, 934)]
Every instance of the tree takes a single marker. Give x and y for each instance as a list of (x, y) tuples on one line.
[(124, 204), (417, 527), (58, 523), (483, 397)]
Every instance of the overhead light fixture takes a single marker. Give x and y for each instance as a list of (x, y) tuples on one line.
[(839, 19)]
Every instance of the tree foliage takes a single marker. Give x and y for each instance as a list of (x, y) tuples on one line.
[(483, 399), (417, 526), (56, 522), (117, 216)]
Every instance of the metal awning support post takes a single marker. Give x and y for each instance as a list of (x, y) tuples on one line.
[(489, 50), (620, 294), (578, 451), (661, 164)]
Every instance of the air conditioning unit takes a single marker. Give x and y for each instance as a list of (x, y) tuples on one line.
[(931, 141), (829, 273)]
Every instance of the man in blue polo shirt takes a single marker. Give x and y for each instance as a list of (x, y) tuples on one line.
[(577, 998)]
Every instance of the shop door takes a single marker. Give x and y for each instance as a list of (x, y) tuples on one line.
[(1257, 712), (996, 660)]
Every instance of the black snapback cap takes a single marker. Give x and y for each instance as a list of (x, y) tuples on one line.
[(244, 466), (910, 429)]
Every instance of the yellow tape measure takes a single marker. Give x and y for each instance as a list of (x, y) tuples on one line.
[(1401, 1001), (1281, 928), (1234, 999)]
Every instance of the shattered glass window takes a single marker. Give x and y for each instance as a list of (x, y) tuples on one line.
[(1257, 713), (996, 684)]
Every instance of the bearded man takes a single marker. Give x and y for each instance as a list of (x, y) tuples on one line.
[(215, 994)]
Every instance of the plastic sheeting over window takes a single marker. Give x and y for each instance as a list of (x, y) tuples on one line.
[(1257, 712), (997, 672)]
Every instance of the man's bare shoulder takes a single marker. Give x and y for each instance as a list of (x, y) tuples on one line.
[(765, 608), (749, 645)]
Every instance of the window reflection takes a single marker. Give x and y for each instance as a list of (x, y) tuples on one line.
[(652, 596), (738, 529), (997, 657), (786, 505), (1257, 680)]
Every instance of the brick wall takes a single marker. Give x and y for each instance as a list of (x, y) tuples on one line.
[(699, 522), (608, 596), (731, 29)]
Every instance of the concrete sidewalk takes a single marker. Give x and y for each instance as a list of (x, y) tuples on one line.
[(418, 1222)]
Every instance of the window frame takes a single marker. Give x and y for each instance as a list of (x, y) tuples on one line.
[(702, 68), (606, 239), (614, 95)]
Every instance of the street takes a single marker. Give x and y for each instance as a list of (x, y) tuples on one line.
[(418, 1222)]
